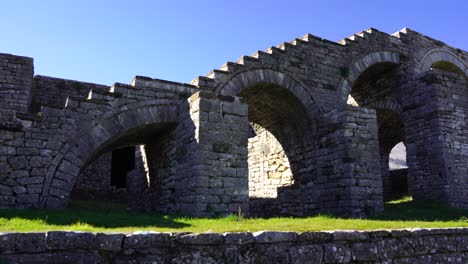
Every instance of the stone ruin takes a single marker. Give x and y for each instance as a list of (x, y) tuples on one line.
[(299, 129)]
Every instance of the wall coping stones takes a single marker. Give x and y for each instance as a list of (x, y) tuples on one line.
[(108, 242), (350, 235), (274, 236), (239, 238), (143, 239), (201, 239), (83, 240), (68, 240)]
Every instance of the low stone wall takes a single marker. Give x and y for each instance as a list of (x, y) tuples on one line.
[(397, 246)]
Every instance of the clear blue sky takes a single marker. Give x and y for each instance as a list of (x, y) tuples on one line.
[(112, 41)]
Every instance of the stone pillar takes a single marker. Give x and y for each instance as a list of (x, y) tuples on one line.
[(386, 179), (435, 111), (16, 77), (348, 164), (138, 199), (219, 169)]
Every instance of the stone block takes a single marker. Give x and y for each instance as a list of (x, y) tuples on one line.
[(364, 252), (108, 242), (235, 109), (18, 162), (58, 240), (201, 239), (239, 238), (6, 190), (145, 239), (337, 253), (274, 236), (316, 237), (306, 254), (22, 243), (19, 189), (55, 257)]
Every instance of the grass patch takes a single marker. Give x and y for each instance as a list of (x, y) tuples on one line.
[(100, 217)]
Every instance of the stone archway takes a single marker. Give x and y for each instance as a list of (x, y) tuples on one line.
[(246, 79), (282, 141), (440, 55), (95, 136), (358, 66), (374, 83)]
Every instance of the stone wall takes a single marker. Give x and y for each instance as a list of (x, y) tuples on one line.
[(396, 246), (220, 159), (297, 91), (162, 165), (16, 75), (269, 166), (435, 113), (94, 181), (50, 91), (353, 183), (452, 108)]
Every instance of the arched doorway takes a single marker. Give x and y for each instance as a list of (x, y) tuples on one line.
[(444, 60), (122, 130), (398, 171), (282, 142), (130, 169), (280, 150), (376, 87)]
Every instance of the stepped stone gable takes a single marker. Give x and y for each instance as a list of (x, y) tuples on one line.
[(302, 128)]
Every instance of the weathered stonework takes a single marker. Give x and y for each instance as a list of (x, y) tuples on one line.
[(382, 246), (269, 166), (271, 134)]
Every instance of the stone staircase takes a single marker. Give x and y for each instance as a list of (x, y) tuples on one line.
[(101, 99), (369, 35), (274, 53)]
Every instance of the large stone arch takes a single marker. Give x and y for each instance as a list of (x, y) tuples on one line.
[(91, 137), (246, 79), (361, 64), (372, 82), (282, 141), (437, 55)]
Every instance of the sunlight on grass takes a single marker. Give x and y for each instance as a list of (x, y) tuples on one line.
[(105, 217), (404, 199)]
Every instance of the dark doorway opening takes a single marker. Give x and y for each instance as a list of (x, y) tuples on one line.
[(123, 161)]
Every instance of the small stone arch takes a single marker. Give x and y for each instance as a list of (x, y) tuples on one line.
[(360, 65), (438, 55), (246, 79), (92, 137)]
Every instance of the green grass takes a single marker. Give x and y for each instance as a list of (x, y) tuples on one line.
[(85, 216)]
